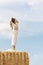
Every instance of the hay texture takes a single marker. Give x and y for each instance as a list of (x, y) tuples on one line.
[(14, 58)]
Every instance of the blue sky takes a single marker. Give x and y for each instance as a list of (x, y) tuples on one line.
[(29, 13)]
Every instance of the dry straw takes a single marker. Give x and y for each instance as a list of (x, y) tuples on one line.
[(14, 58)]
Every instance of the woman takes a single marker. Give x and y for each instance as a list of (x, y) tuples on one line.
[(14, 26)]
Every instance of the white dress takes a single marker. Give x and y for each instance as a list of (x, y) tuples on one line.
[(14, 35)]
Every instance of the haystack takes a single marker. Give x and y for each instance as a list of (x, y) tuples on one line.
[(14, 58)]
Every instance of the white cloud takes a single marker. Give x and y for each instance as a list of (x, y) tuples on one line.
[(33, 15), (4, 26), (5, 30), (30, 28), (6, 14), (28, 1), (4, 1), (36, 13), (13, 1), (34, 2)]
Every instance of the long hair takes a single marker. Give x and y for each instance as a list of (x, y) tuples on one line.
[(13, 20)]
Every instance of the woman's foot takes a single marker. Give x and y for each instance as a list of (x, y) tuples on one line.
[(13, 47)]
